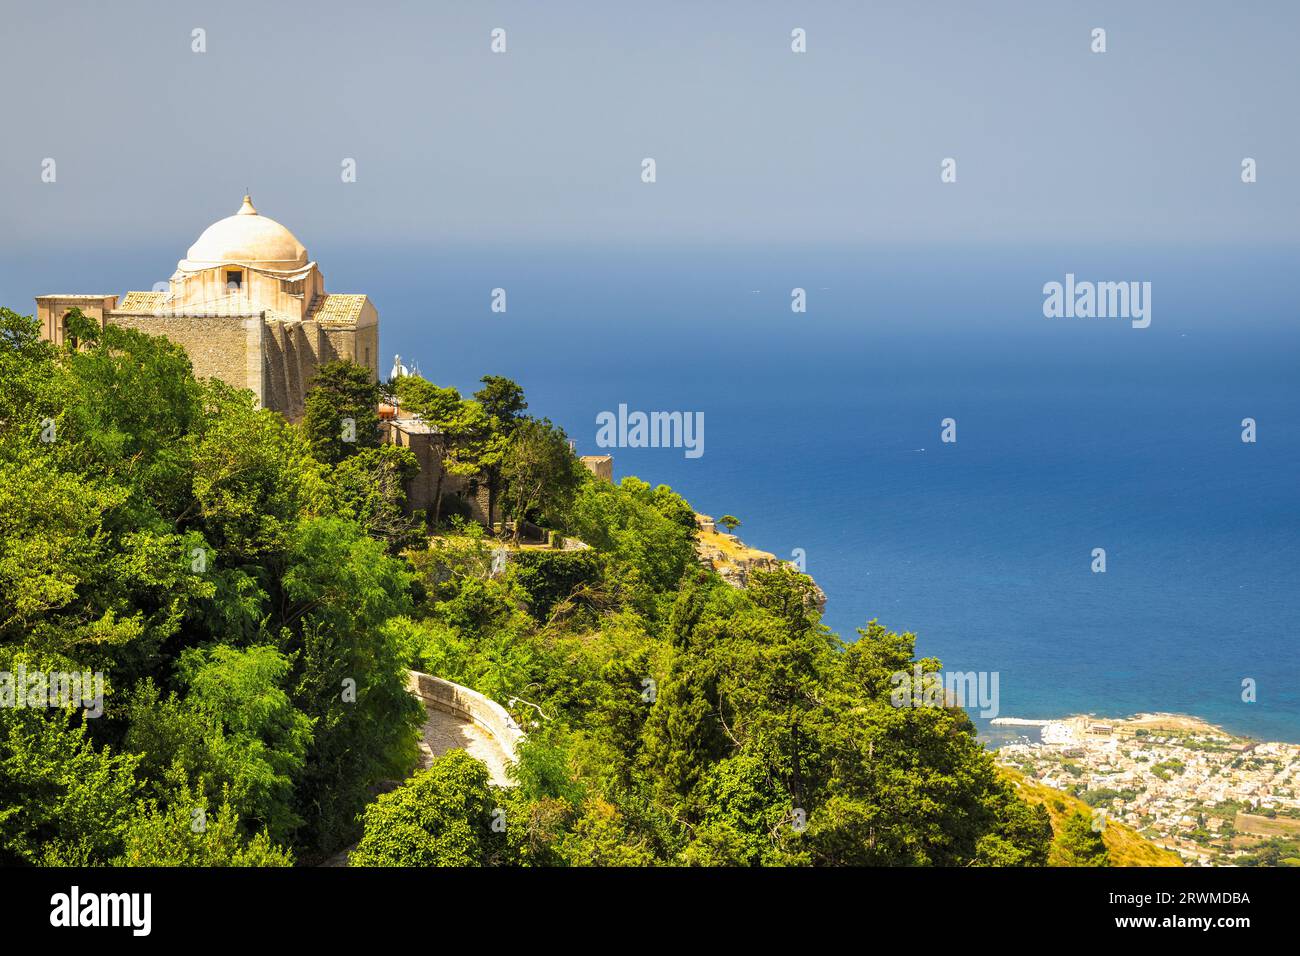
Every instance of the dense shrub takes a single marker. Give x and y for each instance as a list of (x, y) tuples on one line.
[(549, 577)]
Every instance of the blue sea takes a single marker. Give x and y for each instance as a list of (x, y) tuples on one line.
[(822, 433)]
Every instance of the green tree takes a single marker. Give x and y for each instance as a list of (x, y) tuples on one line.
[(539, 470), (685, 733), (502, 399), (235, 732), (1023, 836), (649, 533), (503, 402), (371, 486), (349, 676), (473, 435), (253, 476), (63, 800), (730, 522), (1078, 844), (442, 817), (185, 542), (748, 817), (600, 837), (418, 396), (341, 411), (186, 834), (131, 403)]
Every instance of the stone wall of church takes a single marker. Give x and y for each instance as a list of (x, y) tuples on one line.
[(367, 349), (277, 391), (276, 359), (224, 347), (293, 352), (356, 345)]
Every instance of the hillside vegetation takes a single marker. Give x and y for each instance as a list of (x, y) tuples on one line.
[(1124, 845), (252, 593)]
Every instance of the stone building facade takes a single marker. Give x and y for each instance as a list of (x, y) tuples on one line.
[(467, 497), (248, 306), (602, 466)]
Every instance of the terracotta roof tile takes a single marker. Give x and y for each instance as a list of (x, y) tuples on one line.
[(141, 302), (337, 308)]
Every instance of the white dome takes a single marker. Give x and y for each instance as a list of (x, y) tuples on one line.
[(246, 238)]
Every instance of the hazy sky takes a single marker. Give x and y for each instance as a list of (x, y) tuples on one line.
[(753, 142)]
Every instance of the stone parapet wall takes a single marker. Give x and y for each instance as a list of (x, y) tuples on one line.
[(469, 705)]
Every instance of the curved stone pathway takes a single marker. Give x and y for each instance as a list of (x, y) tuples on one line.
[(443, 731)]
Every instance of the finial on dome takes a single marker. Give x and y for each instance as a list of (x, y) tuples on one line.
[(247, 208)]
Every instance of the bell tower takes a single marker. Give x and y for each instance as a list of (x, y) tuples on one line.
[(52, 312)]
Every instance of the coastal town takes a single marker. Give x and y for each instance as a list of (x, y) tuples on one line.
[(1188, 786)]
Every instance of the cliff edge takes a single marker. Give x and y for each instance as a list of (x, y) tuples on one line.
[(733, 559)]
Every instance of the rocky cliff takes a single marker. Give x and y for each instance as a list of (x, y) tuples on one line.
[(733, 559)]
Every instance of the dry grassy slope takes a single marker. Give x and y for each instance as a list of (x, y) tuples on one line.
[(1127, 847), (728, 548)]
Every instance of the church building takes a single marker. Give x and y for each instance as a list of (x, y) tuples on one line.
[(248, 306)]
